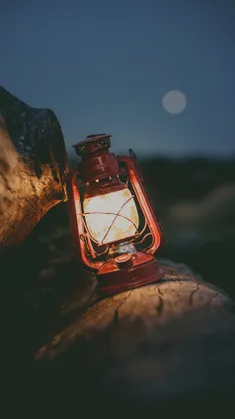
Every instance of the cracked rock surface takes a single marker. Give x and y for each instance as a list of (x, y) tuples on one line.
[(166, 339)]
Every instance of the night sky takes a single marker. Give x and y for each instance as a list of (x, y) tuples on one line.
[(105, 66)]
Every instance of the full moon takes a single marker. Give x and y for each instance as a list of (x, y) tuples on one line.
[(174, 101)]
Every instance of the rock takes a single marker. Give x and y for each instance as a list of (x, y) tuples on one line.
[(33, 164)]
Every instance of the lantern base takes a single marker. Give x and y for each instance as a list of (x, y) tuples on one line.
[(124, 273)]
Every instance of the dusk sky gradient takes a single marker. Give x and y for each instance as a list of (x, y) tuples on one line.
[(104, 66)]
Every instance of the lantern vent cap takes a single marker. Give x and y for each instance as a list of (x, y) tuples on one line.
[(93, 143)]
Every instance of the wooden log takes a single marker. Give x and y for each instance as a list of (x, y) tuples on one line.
[(33, 163), (150, 344)]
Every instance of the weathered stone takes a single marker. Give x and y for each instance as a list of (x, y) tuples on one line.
[(33, 163)]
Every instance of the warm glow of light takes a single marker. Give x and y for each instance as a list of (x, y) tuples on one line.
[(100, 212)]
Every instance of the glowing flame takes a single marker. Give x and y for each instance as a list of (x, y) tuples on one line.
[(112, 216)]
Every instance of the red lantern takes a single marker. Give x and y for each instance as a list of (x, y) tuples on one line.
[(115, 229)]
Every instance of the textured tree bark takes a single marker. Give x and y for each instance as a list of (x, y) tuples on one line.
[(33, 163), (155, 343)]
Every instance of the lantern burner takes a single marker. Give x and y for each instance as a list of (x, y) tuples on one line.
[(121, 248)]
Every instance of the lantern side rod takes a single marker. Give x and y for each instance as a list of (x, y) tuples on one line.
[(77, 223)]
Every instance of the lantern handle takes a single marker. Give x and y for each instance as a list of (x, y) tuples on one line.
[(132, 154)]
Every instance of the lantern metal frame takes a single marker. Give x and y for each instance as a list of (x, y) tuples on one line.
[(128, 270)]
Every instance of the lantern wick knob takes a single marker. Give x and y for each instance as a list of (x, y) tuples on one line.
[(124, 261)]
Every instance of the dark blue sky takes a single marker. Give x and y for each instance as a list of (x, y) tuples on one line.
[(104, 66)]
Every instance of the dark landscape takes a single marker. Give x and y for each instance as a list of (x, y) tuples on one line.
[(195, 201)]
